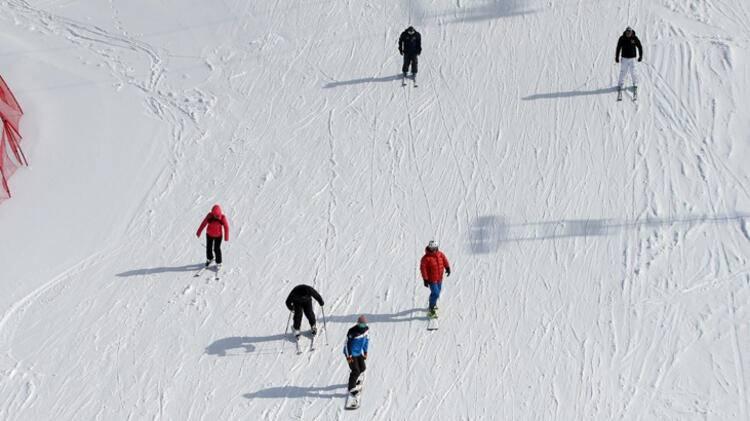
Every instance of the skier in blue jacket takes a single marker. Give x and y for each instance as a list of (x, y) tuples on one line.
[(355, 350)]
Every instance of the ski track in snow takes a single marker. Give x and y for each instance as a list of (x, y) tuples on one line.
[(599, 248)]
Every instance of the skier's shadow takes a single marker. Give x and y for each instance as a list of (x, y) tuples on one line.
[(362, 80), (402, 316), (163, 269), (238, 345), (298, 392), (570, 94)]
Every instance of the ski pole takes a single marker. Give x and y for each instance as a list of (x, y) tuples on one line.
[(289, 319), (286, 331), (325, 327)]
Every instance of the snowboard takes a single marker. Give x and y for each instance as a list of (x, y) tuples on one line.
[(353, 401)]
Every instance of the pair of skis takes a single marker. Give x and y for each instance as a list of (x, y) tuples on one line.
[(298, 342), (432, 320), (635, 94), (203, 269), (413, 77)]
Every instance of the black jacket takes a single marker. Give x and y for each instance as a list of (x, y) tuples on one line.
[(628, 46), (410, 44), (302, 294)]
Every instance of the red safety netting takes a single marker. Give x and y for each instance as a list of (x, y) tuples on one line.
[(11, 154)]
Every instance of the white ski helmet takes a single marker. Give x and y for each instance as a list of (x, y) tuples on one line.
[(432, 245)]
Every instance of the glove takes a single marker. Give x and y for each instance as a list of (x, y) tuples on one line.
[(401, 52), (365, 355), (640, 59), (617, 59), (350, 359), (448, 271), (426, 284)]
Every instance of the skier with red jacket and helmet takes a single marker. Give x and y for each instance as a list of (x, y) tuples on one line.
[(216, 224), (432, 266)]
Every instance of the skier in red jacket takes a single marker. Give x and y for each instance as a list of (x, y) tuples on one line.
[(216, 223), (432, 266)]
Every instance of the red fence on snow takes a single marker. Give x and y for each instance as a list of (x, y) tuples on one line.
[(11, 155)]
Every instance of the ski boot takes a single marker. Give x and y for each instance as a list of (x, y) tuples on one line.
[(296, 333), (314, 330)]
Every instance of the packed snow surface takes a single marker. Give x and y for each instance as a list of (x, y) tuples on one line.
[(600, 250)]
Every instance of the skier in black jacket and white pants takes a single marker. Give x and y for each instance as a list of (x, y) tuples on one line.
[(627, 46)]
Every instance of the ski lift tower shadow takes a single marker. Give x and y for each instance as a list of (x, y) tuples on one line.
[(485, 10), (491, 10), (487, 233)]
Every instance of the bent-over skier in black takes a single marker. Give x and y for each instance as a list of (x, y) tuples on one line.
[(299, 301), (410, 46)]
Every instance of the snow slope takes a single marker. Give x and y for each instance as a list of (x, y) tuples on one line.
[(600, 249)]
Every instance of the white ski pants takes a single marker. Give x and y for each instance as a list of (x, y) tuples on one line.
[(627, 65)]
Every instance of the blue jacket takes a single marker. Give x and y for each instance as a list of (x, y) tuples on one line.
[(357, 341)]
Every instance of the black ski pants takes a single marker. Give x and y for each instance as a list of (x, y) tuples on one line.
[(410, 59), (213, 246), (307, 308), (358, 367)]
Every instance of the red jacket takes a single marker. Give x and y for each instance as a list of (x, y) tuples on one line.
[(215, 221), (433, 265)]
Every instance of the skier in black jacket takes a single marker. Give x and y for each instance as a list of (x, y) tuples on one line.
[(410, 46), (299, 301), (627, 46)]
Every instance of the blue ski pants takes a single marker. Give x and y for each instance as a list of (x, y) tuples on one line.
[(435, 289)]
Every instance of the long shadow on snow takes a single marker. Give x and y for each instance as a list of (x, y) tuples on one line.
[(569, 94), (489, 10), (488, 232), (247, 344), (297, 392), (164, 269), (493, 9), (402, 316), (362, 80)]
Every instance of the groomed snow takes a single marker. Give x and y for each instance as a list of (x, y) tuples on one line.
[(599, 249)]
